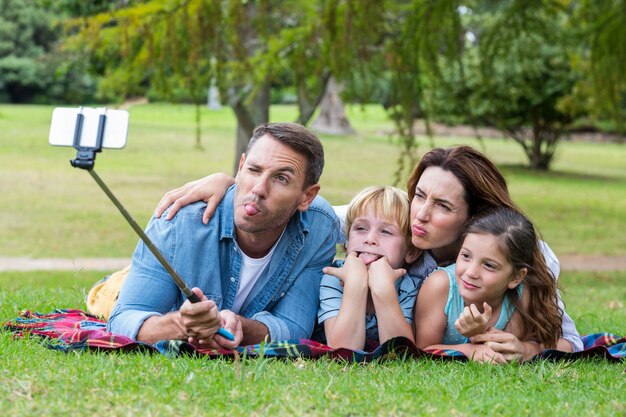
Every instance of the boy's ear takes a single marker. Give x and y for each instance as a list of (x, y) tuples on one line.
[(518, 278), (412, 254)]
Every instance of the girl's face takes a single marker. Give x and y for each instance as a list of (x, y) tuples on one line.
[(372, 237), (483, 272), (438, 213)]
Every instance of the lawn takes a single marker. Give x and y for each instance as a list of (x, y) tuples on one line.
[(53, 210)]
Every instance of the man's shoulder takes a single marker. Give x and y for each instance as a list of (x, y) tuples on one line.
[(321, 206), (189, 211)]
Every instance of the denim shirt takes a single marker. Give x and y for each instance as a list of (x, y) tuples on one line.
[(284, 298)]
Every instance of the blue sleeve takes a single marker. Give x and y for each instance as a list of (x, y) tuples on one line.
[(148, 290), (407, 294), (331, 295)]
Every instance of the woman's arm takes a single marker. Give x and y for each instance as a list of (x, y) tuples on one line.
[(210, 189), (570, 341)]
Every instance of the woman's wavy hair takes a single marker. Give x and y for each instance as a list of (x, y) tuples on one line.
[(485, 187), (518, 241)]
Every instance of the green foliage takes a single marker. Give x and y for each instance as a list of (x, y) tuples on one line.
[(516, 75), (25, 35)]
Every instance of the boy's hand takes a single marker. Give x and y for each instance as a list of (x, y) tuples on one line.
[(352, 271), (471, 322), (382, 276)]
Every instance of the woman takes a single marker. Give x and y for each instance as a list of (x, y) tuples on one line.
[(447, 188)]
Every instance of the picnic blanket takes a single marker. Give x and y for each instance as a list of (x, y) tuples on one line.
[(72, 329)]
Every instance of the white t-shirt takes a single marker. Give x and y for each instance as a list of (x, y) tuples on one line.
[(250, 272)]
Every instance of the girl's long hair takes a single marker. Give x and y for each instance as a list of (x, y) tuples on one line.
[(517, 240)]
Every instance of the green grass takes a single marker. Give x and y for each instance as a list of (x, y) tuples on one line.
[(53, 210), (38, 381)]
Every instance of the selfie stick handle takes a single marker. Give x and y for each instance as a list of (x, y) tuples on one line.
[(85, 159)]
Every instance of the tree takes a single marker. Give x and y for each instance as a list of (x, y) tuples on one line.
[(243, 46), (26, 34), (517, 73)]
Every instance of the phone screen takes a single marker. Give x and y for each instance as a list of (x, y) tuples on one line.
[(63, 126)]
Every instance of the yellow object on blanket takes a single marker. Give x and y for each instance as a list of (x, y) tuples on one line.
[(104, 293)]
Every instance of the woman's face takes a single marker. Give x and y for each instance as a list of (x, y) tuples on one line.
[(438, 214)]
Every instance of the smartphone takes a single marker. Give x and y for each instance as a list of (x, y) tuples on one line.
[(63, 126)]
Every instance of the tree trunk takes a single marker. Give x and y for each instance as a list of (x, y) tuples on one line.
[(332, 119), (250, 115)]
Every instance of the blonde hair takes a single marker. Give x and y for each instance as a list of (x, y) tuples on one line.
[(389, 203)]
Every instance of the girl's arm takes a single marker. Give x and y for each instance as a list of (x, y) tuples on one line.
[(210, 189), (509, 344), (389, 314), (429, 315), (431, 321), (347, 328)]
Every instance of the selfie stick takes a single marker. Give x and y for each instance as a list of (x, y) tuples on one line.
[(85, 159)]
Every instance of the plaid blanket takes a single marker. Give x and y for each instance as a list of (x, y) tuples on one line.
[(76, 330)]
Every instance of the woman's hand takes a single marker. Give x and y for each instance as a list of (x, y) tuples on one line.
[(210, 189), (485, 354), (471, 321), (507, 344)]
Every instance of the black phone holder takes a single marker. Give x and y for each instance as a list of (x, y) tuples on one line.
[(86, 155)]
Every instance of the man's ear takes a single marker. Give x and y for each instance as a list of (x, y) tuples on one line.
[(308, 194), (519, 277), (242, 160)]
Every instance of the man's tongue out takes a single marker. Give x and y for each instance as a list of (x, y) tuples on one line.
[(250, 209), (368, 258)]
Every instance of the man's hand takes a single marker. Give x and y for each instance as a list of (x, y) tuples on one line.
[(471, 322), (507, 344), (200, 320), (230, 322)]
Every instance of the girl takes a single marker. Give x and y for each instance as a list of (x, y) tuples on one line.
[(500, 281), (374, 300)]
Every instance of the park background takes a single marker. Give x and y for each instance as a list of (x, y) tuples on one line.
[(379, 81)]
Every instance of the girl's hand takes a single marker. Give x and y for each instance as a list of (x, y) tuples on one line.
[(471, 322), (353, 269), (507, 344), (210, 189)]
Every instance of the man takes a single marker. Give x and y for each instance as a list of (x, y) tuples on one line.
[(256, 266)]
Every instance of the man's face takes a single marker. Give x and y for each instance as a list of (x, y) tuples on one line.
[(270, 187)]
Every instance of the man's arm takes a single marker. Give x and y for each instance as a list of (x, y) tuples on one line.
[(254, 332), (149, 295)]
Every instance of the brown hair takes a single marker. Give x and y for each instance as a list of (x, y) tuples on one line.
[(301, 140), (485, 187), (517, 240)]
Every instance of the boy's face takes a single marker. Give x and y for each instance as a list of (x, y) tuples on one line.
[(372, 237)]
